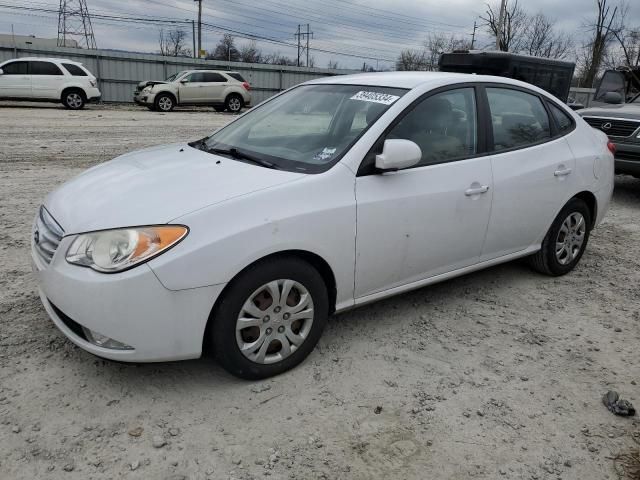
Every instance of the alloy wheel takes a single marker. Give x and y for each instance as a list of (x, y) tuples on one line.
[(274, 321), (570, 238), (234, 104), (74, 100), (165, 104)]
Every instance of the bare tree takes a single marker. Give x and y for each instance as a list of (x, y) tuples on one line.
[(514, 25), (225, 50), (278, 59), (438, 43), (173, 43), (606, 24), (411, 60), (332, 65), (542, 39), (250, 53)]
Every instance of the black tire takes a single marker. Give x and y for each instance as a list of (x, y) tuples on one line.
[(74, 99), (222, 331), (545, 260), (219, 109), (164, 102), (234, 103)]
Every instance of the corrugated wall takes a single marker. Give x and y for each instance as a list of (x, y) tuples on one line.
[(118, 72)]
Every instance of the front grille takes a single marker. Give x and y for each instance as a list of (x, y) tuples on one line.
[(616, 128), (46, 235), (623, 155)]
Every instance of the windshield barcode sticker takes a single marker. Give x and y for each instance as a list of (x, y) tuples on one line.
[(376, 97)]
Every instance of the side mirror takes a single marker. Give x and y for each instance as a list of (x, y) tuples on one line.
[(613, 97), (184, 80), (397, 154), (1, 72)]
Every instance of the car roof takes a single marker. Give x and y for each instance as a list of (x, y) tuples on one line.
[(45, 59), (411, 80)]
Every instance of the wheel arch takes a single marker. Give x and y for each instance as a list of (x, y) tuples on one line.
[(70, 88), (590, 199), (166, 92), (313, 259)]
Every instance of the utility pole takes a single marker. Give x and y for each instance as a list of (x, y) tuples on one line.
[(199, 26), (473, 35), (301, 49), (500, 26), (193, 36)]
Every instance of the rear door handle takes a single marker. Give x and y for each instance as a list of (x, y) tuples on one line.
[(476, 190), (562, 172)]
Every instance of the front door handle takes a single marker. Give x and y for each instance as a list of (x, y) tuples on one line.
[(562, 172), (469, 192)]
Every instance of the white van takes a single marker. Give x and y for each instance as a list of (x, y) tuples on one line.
[(48, 80)]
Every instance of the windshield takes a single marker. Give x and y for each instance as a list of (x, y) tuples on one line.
[(174, 76), (308, 128)]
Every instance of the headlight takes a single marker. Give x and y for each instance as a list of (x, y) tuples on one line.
[(117, 250), (146, 89)]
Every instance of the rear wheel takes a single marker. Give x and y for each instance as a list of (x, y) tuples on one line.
[(164, 102), (565, 241), (73, 99), (234, 103), (270, 318)]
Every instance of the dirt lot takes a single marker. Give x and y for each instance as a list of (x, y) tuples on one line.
[(498, 374)]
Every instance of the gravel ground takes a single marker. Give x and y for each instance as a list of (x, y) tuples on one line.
[(498, 374)]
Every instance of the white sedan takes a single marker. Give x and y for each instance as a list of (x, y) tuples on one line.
[(335, 193)]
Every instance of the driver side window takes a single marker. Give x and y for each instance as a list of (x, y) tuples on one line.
[(442, 125)]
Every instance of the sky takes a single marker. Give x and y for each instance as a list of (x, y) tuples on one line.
[(350, 32)]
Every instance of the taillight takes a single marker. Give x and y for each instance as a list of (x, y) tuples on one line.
[(246, 85), (611, 146)]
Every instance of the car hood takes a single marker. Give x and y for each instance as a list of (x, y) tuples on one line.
[(147, 83), (629, 111), (155, 186)]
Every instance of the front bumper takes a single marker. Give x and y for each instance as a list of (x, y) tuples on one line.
[(628, 158), (143, 98), (132, 307)]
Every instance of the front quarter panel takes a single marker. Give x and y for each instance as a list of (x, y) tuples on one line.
[(316, 214)]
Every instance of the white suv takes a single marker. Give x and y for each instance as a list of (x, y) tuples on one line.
[(48, 80), (220, 89)]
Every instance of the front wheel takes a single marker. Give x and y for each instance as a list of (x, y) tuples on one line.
[(164, 102), (270, 318), (234, 103), (565, 241)]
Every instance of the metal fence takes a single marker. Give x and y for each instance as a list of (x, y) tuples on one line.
[(119, 72)]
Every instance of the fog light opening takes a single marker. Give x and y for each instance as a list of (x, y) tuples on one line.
[(103, 341)]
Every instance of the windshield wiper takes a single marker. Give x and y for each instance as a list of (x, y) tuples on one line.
[(238, 154)]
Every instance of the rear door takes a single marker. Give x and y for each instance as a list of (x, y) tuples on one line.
[(533, 170), (215, 85), (15, 82), (46, 79)]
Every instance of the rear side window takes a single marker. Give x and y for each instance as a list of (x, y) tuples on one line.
[(563, 120), (74, 70), (211, 77), (518, 118), (236, 76), (15, 68), (44, 68)]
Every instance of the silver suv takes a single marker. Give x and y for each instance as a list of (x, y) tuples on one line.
[(219, 89)]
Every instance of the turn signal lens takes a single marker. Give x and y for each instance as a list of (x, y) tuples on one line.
[(117, 250)]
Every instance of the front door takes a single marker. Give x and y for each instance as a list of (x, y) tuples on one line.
[(432, 218), (192, 88), (532, 172), (15, 81)]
